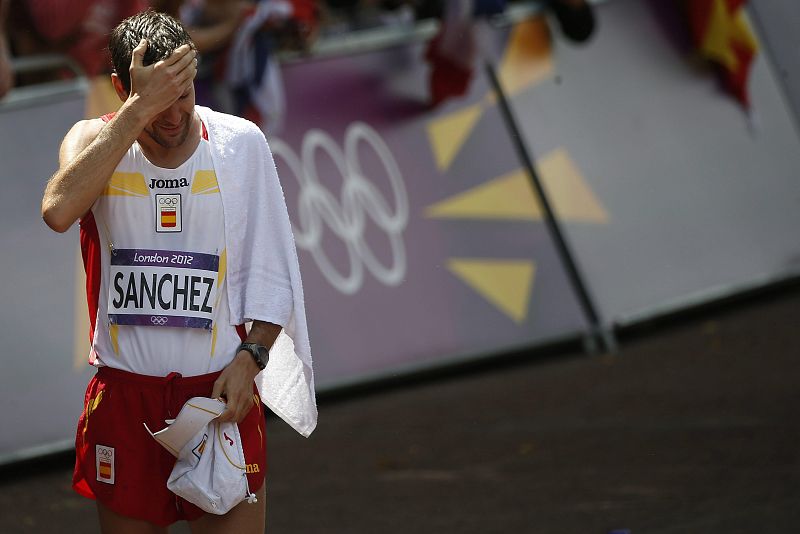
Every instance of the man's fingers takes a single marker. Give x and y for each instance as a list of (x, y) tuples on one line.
[(186, 75), (184, 71), (137, 58), (178, 54), (185, 62), (235, 410), (243, 408), (218, 389), (230, 414)]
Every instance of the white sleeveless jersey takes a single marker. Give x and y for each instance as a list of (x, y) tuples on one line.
[(154, 251)]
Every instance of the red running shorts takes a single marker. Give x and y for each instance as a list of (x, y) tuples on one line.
[(122, 466)]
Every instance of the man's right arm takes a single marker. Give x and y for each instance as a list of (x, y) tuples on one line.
[(92, 150), (88, 156)]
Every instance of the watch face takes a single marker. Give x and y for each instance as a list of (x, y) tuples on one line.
[(263, 354)]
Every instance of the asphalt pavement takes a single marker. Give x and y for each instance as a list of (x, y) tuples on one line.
[(690, 428)]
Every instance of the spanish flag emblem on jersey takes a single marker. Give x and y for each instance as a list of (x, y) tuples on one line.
[(168, 212), (169, 217)]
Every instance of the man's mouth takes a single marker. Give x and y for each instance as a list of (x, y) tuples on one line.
[(171, 129)]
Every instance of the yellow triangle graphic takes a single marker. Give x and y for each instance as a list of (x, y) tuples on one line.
[(447, 134), (527, 59), (113, 332), (129, 184), (506, 284), (507, 197), (511, 196), (205, 183), (571, 197)]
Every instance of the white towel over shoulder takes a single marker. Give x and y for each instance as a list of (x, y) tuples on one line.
[(263, 273)]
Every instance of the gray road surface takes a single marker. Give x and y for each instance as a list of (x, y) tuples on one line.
[(689, 429)]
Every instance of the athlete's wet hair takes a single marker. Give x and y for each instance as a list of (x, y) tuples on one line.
[(163, 33)]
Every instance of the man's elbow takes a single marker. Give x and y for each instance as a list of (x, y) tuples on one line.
[(55, 220)]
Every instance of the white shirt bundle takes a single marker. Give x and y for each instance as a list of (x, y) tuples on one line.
[(210, 471)]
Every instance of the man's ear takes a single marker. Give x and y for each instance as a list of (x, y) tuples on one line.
[(118, 87)]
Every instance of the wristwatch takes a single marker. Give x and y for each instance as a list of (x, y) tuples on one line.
[(260, 353)]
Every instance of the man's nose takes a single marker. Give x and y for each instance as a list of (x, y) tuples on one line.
[(171, 115)]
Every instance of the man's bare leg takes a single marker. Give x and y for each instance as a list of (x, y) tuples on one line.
[(245, 518), (113, 523)]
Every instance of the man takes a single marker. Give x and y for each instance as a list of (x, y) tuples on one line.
[(185, 236)]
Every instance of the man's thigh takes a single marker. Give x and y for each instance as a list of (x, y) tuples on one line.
[(113, 523)]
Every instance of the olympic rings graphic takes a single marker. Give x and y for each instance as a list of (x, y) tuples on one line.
[(158, 320), (167, 201), (317, 206)]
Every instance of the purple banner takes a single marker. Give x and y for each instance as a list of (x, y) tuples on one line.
[(165, 258), (419, 236)]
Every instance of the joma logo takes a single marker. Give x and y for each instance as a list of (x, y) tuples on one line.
[(168, 184)]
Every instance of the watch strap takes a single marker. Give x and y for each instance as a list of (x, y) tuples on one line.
[(255, 351)]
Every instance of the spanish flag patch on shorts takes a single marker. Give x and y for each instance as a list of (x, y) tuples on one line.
[(104, 458)]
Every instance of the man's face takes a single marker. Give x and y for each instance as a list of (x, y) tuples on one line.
[(171, 127)]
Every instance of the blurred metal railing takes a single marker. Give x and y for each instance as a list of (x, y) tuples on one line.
[(360, 41), (31, 95)]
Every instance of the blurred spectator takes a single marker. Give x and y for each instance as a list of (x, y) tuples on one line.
[(342, 16), (211, 23), (239, 72), (78, 28), (252, 72), (6, 74), (452, 53)]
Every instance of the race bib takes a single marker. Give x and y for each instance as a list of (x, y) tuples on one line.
[(162, 288)]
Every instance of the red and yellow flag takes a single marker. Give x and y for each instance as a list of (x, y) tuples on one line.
[(722, 34), (105, 470), (169, 217)]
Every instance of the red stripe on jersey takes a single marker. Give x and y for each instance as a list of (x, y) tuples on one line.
[(205, 132), (90, 250), (240, 329)]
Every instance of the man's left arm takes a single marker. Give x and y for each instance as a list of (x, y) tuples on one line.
[(235, 383)]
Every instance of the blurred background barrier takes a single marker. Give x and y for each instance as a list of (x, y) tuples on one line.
[(41, 382), (778, 24), (421, 240), (411, 255), (73, 86), (699, 194)]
